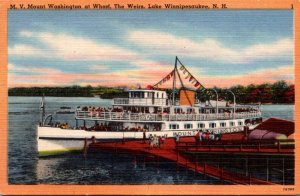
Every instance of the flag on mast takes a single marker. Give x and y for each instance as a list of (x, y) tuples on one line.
[(42, 103)]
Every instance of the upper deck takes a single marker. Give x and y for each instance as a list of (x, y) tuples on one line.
[(142, 97)]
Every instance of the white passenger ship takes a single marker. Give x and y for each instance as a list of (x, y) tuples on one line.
[(150, 112)]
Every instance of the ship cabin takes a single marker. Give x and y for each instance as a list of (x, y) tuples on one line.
[(144, 101)]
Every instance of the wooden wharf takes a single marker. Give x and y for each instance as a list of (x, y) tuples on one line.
[(177, 153)]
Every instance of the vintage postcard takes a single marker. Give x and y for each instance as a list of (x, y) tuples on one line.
[(149, 98)]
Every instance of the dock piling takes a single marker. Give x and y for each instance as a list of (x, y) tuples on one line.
[(85, 148)]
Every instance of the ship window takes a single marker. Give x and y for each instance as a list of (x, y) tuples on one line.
[(190, 110), (188, 126), (178, 110), (174, 126), (232, 124), (142, 94), (240, 123), (136, 94), (150, 95), (156, 95), (212, 125), (162, 95), (222, 124), (201, 125)]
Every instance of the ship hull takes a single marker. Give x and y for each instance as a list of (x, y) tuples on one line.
[(52, 140)]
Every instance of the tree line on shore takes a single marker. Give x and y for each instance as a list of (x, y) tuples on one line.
[(278, 92)]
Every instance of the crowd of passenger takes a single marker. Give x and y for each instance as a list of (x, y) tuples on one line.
[(155, 141), (205, 135)]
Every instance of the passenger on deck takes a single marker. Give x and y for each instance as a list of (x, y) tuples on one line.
[(144, 136), (163, 140), (155, 141), (177, 139), (200, 135), (207, 136), (151, 141), (197, 136), (212, 136), (159, 141)]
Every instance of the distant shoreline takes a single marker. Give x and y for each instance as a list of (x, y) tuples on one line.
[(117, 97), (277, 93)]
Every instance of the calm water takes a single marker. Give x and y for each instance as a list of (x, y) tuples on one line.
[(102, 168)]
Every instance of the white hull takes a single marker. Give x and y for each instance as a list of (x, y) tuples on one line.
[(52, 140)]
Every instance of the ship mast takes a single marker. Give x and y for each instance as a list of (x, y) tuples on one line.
[(174, 80)]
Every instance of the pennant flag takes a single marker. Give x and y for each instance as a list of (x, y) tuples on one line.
[(184, 71), (191, 78), (202, 89), (171, 74), (168, 77), (188, 76), (197, 84), (182, 68), (193, 81)]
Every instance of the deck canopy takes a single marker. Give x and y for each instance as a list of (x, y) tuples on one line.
[(278, 126)]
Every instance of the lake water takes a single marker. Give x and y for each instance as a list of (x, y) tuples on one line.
[(24, 167)]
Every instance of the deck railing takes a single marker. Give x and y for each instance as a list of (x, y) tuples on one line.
[(267, 146), (142, 102), (138, 117)]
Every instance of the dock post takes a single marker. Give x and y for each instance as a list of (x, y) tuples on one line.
[(76, 124), (221, 175), (134, 161), (186, 165), (278, 145), (268, 170), (144, 161), (283, 172), (85, 148), (246, 166), (249, 179), (196, 164)]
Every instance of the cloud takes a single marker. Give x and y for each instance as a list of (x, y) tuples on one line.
[(151, 75), (270, 75), (209, 48), (71, 48), (98, 67), (32, 70), (26, 50)]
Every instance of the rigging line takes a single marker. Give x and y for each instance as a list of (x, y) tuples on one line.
[(190, 102), (190, 73), (174, 81), (162, 79)]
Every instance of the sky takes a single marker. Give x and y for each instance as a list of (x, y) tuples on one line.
[(126, 48)]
